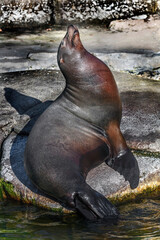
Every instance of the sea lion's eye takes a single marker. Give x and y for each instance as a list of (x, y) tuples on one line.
[(63, 43)]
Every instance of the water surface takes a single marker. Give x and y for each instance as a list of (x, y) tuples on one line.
[(20, 222)]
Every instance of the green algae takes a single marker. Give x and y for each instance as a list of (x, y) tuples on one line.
[(7, 190), (146, 153), (145, 191)]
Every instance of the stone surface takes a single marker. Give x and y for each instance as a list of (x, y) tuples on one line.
[(147, 65), (46, 86), (122, 50), (140, 125), (140, 64), (102, 178), (142, 22), (95, 10), (141, 111), (37, 13), (25, 14), (140, 96)]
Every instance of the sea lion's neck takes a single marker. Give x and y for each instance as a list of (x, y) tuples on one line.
[(90, 106), (91, 92)]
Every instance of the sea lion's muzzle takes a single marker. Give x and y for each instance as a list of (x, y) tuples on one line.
[(72, 31)]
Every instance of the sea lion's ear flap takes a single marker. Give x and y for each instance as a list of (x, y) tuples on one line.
[(61, 60)]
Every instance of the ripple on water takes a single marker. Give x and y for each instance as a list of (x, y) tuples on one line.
[(137, 221)]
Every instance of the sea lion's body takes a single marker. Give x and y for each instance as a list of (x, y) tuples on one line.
[(79, 131), (63, 143)]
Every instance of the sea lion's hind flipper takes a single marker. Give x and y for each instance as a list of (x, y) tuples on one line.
[(94, 206), (127, 165)]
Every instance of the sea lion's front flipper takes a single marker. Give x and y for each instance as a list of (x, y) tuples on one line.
[(127, 165), (121, 158), (93, 205)]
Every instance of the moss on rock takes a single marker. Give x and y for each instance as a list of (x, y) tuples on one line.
[(145, 190)]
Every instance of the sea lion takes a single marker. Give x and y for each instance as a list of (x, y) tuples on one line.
[(79, 131)]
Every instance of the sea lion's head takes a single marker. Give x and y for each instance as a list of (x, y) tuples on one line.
[(70, 48)]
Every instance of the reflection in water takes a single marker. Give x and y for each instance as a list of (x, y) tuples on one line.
[(138, 221)]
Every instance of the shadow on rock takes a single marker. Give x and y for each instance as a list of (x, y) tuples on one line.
[(33, 108)]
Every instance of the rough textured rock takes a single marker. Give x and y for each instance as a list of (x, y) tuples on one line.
[(95, 10), (25, 14), (141, 115), (140, 64), (135, 24), (147, 65), (135, 49), (36, 13), (103, 178), (42, 86), (140, 97), (140, 125)]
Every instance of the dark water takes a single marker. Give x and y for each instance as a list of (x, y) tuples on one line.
[(138, 221)]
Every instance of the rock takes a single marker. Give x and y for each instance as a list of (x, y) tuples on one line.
[(140, 99), (38, 13), (2, 137), (10, 119), (140, 115), (17, 185), (135, 24), (147, 65), (102, 11), (141, 17), (25, 14), (122, 51), (140, 125), (139, 64), (32, 62)]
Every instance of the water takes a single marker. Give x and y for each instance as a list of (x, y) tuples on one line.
[(20, 222)]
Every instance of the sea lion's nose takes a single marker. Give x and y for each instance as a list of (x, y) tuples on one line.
[(71, 26), (71, 30)]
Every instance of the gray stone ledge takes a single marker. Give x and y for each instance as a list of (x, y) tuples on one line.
[(140, 64)]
